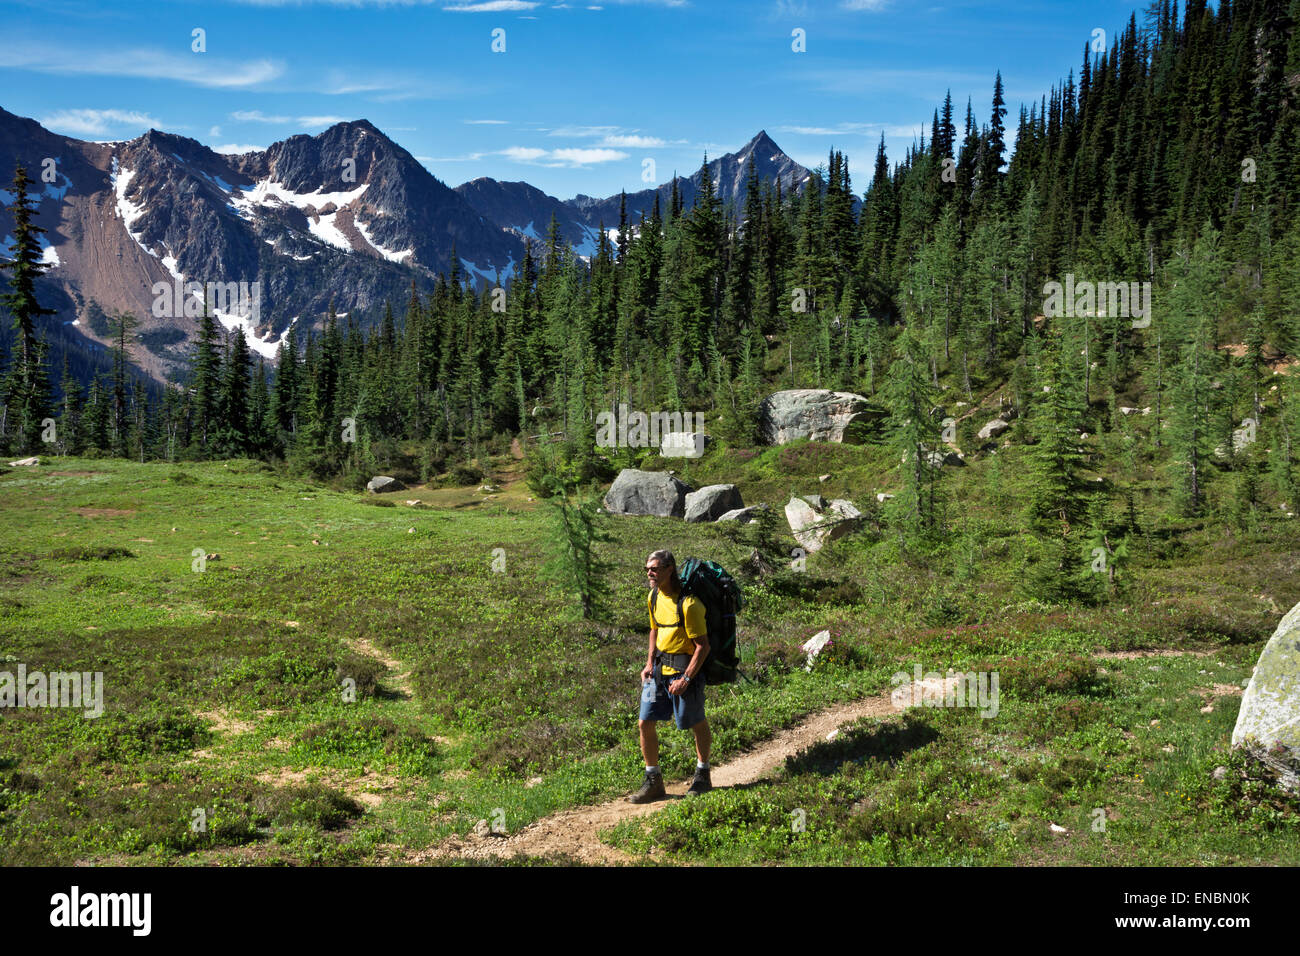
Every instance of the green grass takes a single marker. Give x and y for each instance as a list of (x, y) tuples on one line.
[(226, 689)]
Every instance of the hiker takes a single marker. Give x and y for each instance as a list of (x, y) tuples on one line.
[(671, 682)]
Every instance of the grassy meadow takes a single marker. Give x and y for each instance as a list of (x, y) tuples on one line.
[(231, 733)]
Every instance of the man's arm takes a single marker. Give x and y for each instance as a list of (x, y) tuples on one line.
[(650, 656), (701, 641)]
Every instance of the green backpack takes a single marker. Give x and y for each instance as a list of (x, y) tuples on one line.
[(712, 586)]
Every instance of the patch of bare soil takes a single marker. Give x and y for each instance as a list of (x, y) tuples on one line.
[(575, 833), (1158, 652), (401, 677), (369, 789)]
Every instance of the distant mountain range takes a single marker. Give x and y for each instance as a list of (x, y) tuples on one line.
[(347, 215)]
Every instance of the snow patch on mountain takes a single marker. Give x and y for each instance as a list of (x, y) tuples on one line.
[(386, 253), (128, 211), (323, 228), (266, 192), (262, 345), (489, 275)]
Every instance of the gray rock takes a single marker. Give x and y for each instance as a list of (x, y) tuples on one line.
[(636, 492), (743, 515), (812, 528), (817, 501), (1270, 709), (382, 483), (993, 429), (712, 501), (817, 414)]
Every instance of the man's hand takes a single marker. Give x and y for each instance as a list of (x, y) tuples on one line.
[(647, 672), (678, 687)]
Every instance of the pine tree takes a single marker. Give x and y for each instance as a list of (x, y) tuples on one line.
[(205, 384), (27, 388), (911, 398), (122, 325)]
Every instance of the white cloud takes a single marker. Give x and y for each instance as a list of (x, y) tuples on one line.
[(523, 154), (141, 62), (232, 149), (486, 122), (493, 6), (86, 122), (256, 116), (321, 120), (582, 131), (858, 128), (557, 157), (871, 6), (634, 142), (214, 132), (582, 157)]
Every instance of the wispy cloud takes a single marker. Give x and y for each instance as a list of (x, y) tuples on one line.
[(847, 128), (87, 122), (634, 142), (484, 122), (585, 157), (870, 6), (232, 149), (493, 6), (257, 116), (140, 63), (571, 157)]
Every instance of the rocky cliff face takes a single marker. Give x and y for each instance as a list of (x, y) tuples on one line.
[(347, 216)]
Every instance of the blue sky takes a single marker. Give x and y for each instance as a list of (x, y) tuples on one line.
[(581, 96)]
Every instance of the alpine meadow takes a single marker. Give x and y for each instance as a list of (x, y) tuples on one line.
[(328, 488)]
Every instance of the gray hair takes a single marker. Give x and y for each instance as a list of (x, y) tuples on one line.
[(666, 557)]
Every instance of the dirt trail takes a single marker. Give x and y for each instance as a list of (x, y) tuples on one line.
[(400, 677), (1158, 652), (575, 833)]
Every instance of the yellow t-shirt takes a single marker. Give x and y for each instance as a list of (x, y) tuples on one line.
[(672, 637)]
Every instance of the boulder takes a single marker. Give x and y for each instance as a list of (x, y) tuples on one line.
[(817, 414), (813, 527), (1268, 723), (636, 492), (684, 444), (25, 462), (382, 483), (743, 515), (711, 502), (817, 501), (993, 429)]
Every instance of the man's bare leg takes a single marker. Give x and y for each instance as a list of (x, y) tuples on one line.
[(649, 742), (703, 740)]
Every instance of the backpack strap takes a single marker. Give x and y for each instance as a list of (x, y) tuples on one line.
[(654, 596)]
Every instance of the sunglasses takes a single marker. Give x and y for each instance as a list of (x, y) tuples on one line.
[(654, 570)]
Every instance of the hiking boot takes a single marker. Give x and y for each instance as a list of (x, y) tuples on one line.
[(700, 783), (651, 789)]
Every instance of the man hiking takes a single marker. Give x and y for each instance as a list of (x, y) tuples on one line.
[(671, 683)]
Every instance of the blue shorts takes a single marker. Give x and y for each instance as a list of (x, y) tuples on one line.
[(687, 709)]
